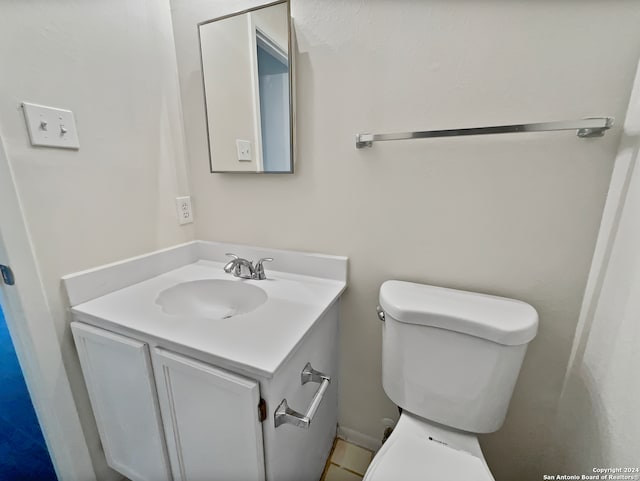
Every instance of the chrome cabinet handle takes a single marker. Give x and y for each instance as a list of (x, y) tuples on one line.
[(285, 415)]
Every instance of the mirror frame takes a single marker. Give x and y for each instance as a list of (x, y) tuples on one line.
[(290, 56)]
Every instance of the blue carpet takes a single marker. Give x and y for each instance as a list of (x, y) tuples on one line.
[(23, 453)]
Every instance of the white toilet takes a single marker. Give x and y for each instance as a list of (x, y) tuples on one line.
[(450, 360)]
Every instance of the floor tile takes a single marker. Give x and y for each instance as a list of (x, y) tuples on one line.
[(335, 473), (351, 457)]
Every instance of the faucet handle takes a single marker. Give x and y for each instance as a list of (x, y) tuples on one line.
[(231, 265), (260, 275)]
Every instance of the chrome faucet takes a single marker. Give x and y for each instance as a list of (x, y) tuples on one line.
[(244, 269)]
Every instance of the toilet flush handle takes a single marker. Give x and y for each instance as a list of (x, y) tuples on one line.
[(380, 313)]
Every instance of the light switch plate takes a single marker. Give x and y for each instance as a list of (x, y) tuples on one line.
[(51, 127), (183, 209), (244, 150)]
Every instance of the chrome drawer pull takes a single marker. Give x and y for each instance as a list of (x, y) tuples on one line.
[(285, 415)]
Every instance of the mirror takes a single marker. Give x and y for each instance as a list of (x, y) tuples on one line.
[(247, 78)]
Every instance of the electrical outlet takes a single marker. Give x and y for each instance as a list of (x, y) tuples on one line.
[(183, 209), (244, 150)]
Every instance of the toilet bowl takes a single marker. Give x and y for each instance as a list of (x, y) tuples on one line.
[(419, 450), (450, 360)]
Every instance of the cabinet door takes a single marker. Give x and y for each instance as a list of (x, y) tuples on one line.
[(121, 388), (210, 419)]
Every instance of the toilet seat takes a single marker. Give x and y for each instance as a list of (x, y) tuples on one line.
[(419, 450)]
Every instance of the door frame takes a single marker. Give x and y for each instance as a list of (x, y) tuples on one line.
[(259, 30), (35, 340)]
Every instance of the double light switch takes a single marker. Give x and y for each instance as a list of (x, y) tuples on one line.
[(51, 127)]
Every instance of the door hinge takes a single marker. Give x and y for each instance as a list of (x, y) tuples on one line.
[(262, 410), (7, 275)]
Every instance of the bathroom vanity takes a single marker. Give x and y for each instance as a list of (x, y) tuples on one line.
[(195, 374)]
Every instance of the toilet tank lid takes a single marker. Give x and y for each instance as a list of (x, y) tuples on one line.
[(498, 319)]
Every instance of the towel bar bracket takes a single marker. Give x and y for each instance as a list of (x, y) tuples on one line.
[(285, 415)]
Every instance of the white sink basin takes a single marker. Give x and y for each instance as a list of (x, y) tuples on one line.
[(211, 299)]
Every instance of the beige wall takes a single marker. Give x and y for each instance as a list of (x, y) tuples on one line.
[(510, 215), (514, 215), (598, 423), (112, 63), (274, 22), (229, 85), (230, 98), (186, 14)]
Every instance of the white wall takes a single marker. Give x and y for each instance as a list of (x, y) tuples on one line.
[(113, 63), (598, 422), (514, 215)]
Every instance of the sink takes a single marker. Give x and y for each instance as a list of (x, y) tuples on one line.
[(211, 299)]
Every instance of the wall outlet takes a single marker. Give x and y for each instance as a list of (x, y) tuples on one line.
[(183, 209), (244, 150)]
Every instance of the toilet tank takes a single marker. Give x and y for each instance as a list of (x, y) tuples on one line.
[(453, 356)]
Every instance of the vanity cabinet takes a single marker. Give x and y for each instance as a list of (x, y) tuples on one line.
[(211, 420), (164, 416), (213, 387), (189, 394)]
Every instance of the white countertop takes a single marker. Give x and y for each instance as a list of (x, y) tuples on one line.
[(257, 342)]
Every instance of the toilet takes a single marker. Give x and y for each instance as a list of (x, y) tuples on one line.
[(450, 361)]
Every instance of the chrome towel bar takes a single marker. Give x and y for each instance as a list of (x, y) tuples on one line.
[(285, 415), (591, 127)]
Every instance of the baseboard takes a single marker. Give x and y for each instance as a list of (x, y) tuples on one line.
[(359, 439)]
